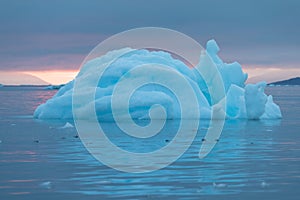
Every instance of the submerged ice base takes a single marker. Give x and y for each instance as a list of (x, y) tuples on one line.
[(242, 101)]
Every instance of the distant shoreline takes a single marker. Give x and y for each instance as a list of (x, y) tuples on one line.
[(287, 82), (291, 81)]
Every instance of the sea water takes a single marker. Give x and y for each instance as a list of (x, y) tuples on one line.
[(253, 159)]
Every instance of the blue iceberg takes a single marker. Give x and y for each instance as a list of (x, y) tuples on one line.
[(243, 101)]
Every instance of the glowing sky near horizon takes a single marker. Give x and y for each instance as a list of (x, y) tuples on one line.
[(50, 39), (60, 77)]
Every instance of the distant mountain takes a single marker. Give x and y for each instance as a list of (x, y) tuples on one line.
[(19, 78), (292, 81)]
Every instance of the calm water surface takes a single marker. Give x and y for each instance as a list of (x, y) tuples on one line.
[(253, 159)]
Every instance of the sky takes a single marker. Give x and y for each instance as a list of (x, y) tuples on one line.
[(48, 40)]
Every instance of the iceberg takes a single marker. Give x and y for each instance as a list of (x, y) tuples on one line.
[(54, 87), (243, 101)]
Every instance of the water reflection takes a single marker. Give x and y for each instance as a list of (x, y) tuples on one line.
[(240, 161), (251, 157)]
